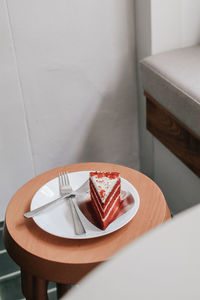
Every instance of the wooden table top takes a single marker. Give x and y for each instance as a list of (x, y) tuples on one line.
[(52, 257)]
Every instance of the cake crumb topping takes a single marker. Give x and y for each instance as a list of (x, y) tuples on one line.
[(110, 175)]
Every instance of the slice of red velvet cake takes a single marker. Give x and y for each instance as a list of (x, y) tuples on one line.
[(105, 189)]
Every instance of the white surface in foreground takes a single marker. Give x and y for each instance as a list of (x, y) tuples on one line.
[(163, 264)]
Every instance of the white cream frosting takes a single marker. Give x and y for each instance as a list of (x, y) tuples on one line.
[(103, 184)]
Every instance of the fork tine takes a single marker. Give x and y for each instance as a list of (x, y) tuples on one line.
[(66, 178), (59, 179), (62, 179)]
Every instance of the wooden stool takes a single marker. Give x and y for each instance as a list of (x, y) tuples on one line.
[(44, 257)]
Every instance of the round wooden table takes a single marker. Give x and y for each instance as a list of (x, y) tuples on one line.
[(43, 257)]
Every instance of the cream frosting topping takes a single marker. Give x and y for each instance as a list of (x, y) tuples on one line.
[(103, 185)]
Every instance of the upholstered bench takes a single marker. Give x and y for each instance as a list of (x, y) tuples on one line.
[(171, 82)]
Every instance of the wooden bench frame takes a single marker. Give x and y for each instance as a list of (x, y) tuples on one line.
[(173, 133)]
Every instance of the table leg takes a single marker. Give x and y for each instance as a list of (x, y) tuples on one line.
[(33, 288), (62, 289)]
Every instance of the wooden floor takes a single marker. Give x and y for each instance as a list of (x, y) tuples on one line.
[(10, 283)]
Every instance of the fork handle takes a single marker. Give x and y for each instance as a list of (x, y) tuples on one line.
[(78, 225), (44, 207)]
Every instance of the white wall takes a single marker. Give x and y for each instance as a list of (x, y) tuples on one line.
[(166, 25), (178, 183), (174, 24), (190, 22), (16, 165), (70, 69)]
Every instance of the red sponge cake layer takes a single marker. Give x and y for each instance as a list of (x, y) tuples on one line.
[(105, 189)]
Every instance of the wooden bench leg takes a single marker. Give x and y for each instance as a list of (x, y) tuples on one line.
[(33, 288)]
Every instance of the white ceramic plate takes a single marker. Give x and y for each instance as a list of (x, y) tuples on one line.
[(58, 221)]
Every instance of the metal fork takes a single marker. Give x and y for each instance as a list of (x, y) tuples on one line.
[(65, 188), (81, 190)]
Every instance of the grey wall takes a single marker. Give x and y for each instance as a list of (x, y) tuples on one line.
[(68, 87), (143, 49)]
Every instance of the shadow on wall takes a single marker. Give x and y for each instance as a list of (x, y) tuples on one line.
[(96, 107), (113, 133)]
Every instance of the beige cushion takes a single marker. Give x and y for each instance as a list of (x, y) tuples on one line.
[(173, 79)]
